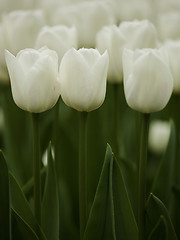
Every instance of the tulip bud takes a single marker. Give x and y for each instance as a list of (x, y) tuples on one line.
[(159, 132), (168, 25), (139, 34), (172, 48), (34, 78), (136, 9), (58, 38), (3, 68), (83, 75), (111, 38), (88, 17), (21, 29), (148, 83), (18, 30)]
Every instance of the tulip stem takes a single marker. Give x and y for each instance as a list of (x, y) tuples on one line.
[(116, 119), (56, 129), (142, 175), (177, 126), (37, 168), (82, 172)]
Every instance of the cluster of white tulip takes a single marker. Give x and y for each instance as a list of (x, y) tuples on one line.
[(53, 48), (147, 88)]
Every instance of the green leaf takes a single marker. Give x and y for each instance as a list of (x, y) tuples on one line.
[(22, 230), (111, 215), (129, 173), (175, 209), (22, 208), (100, 222), (160, 230), (164, 179), (154, 210), (4, 200), (126, 227), (50, 204)]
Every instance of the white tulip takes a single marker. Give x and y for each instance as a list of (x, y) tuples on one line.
[(172, 48), (3, 69), (21, 29), (139, 34), (148, 82), (111, 38), (18, 30), (88, 17), (59, 38), (159, 133), (34, 78), (134, 9), (168, 25), (83, 75)]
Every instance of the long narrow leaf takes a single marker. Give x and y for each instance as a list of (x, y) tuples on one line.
[(159, 232), (163, 182), (99, 225), (4, 200), (23, 230), (50, 205), (154, 210), (126, 227), (21, 206)]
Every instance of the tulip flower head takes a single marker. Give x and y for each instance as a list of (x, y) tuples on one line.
[(34, 78), (21, 29), (111, 38), (18, 30), (58, 38), (139, 34), (168, 25), (159, 133), (148, 82), (3, 68), (172, 48), (88, 17), (83, 76)]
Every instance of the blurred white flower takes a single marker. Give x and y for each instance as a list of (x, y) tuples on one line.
[(21, 29), (159, 133), (172, 48), (3, 69), (88, 17), (83, 76), (58, 38), (45, 156), (111, 39), (34, 78), (18, 30), (148, 82), (168, 25), (9, 5), (139, 34), (128, 10)]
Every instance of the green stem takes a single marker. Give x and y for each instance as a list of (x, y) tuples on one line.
[(56, 129), (177, 126), (142, 175), (116, 119), (82, 172), (37, 168)]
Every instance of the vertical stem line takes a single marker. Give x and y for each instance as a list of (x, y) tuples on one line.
[(142, 175), (37, 168), (116, 119), (177, 126), (56, 129), (82, 171)]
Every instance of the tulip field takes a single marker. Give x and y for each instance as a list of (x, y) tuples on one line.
[(89, 120)]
